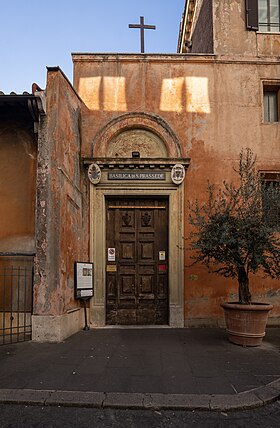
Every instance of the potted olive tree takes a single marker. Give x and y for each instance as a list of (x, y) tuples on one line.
[(235, 235)]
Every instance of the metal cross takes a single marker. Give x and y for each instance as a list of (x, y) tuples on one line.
[(142, 27)]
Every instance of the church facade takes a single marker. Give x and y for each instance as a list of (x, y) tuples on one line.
[(121, 153)]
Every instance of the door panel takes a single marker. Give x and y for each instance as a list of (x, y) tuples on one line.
[(137, 280)]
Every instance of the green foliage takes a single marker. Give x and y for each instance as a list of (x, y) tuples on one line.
[(233, 232)]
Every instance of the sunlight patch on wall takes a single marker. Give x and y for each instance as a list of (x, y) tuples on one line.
[(189, 94), (171, 94), (89, 91), (114, 98), (197, 95), (107, 93)]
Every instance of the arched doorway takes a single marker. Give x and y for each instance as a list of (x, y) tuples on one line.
[(136, 212)]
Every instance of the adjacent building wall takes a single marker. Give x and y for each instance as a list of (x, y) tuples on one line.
[(61, 226), (232, 38), (202, 36), (18, 154), (219, 27)]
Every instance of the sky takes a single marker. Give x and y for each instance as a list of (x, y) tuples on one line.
[(35, 34)]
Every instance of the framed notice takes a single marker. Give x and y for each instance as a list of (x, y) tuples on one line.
[(83, 275)]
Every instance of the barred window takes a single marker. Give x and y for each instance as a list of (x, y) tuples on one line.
[(271, 101), (271, 104), (271, 198), (269, 15), (263, 15)]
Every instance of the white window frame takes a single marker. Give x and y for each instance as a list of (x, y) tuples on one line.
[(272, 87), (269, 27)]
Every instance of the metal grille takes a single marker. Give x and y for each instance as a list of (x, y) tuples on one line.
[(269, 27), (16, 293)]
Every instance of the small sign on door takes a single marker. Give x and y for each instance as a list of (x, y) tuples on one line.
[(111, 268), (111, 254), (161, 255)]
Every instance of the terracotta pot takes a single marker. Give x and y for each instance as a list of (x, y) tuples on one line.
[(246, 323)]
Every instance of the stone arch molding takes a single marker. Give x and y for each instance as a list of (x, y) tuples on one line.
[(147, 133)]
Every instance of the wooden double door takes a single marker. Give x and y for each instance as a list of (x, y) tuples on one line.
[(137, 261)]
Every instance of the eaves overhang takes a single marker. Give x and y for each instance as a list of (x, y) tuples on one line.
[(19, 106), (186, 26)]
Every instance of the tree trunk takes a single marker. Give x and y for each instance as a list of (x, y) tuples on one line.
[(243, 281)]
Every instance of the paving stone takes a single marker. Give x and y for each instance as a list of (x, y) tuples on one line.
[(26, 396), (124, 400), (269, 393), (159, 368), (76, 398), (177, 401), (240, 401)]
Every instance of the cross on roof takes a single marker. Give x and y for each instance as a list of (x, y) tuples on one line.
[(142, 27)]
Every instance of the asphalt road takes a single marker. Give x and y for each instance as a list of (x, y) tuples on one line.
[(19, 416)]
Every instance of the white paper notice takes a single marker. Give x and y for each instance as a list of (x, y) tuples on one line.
[(84, 275)]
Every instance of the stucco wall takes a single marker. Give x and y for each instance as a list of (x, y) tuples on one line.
[(214, 108), (18, 154), (231, 36), (60, 205)]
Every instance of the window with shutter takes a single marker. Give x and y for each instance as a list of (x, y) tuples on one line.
[(263, 15)]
